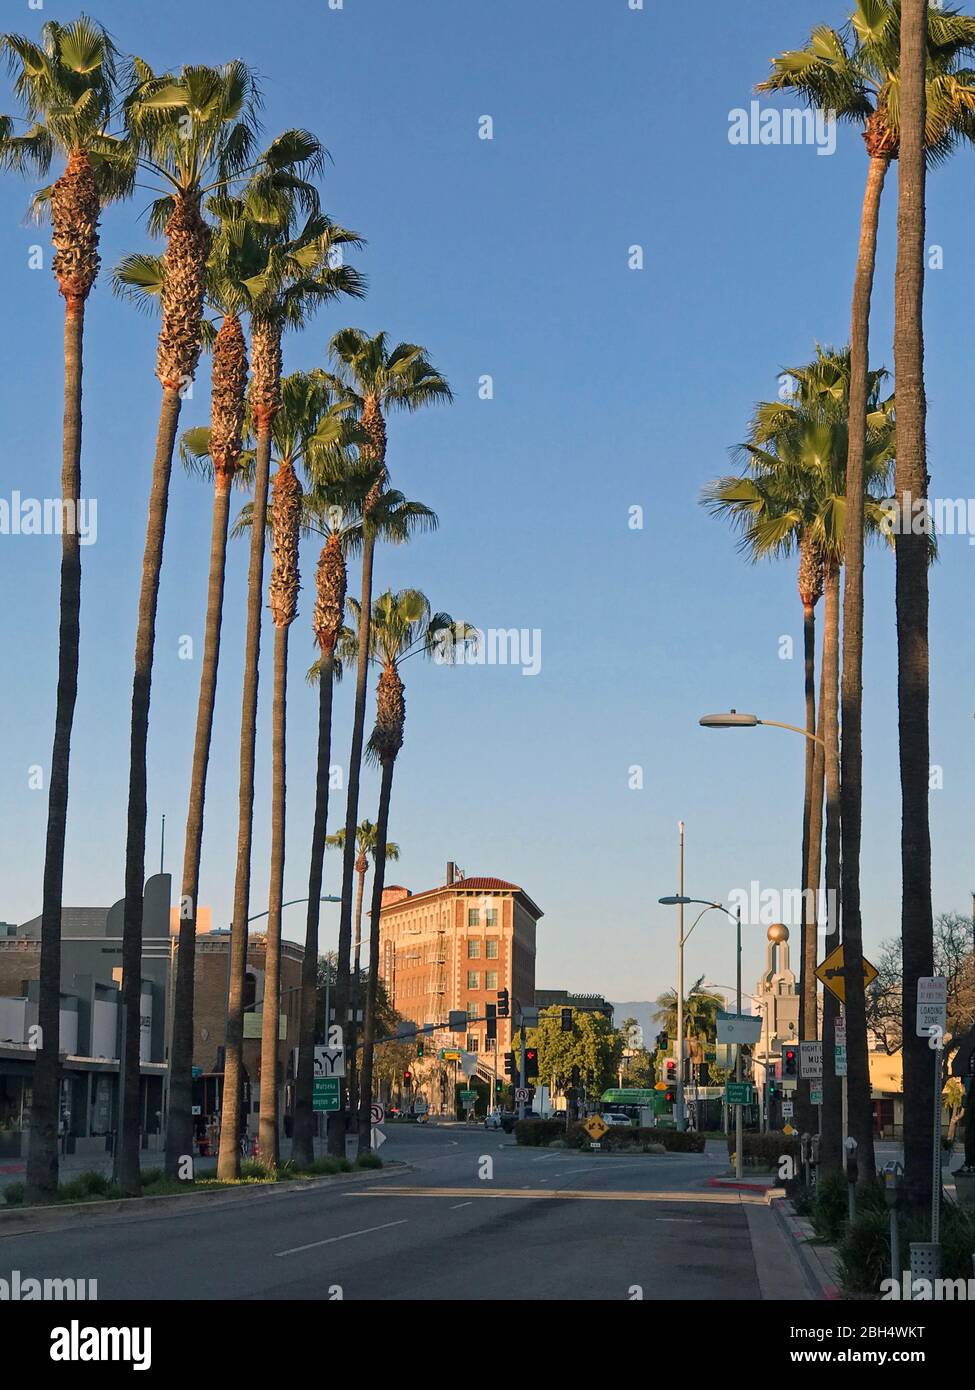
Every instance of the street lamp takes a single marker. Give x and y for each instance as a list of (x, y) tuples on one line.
[(734, 720), (680, 901)]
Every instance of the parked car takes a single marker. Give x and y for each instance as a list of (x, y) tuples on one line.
[(612, 1117)]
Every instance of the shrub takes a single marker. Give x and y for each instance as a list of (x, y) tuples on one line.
[(864, 1252), (13, 1194), (830, 1207), (256, 1170), (672, 1140), (368, 1160), (323, 1167), (766, 1150), (537, 1132), (88, 1187)]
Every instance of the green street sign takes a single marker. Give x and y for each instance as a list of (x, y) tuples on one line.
[(710, 1056), (816, 1095), (738, 1093), (326, 1094), (468, 1095)]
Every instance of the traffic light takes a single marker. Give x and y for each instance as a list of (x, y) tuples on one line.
[(491, 1017), (789, 1063), (531, 1062), (670, 1096), (671, 1069), (509, 1064), (566, 1020), (504, 1006), (419, 1047), (407, 1077), (662, 1042), (704, 1073)]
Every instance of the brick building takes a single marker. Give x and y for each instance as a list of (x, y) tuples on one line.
[(454, 947)]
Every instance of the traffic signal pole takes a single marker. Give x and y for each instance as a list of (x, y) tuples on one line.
[(523, 1071)]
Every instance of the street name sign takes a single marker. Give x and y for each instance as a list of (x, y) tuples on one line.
[(326, 1093), (830, 973), (811, 1059), (739, 1028), (932, 1005), (468, 1095)]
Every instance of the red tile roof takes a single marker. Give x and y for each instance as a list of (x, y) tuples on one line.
[(496, 885)]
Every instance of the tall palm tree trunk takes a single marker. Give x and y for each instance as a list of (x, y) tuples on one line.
[(179, 1131), (851, 767), (185, 258), (336, 1125), (911, 557), (228, 1164), (808, 1023), (830, 1154), (372, 988), (229, 377), (360, 871), (283, 595), (303, 1149), (42, 1153), (135, 843), (270, 1090)]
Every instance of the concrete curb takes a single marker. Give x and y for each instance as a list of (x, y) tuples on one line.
[(818, 1261), (25, 1220)]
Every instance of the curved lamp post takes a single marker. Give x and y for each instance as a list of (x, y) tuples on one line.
[(679, 900), (734, 720)]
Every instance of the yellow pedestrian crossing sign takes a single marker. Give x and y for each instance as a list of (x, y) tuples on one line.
[(830, 973)]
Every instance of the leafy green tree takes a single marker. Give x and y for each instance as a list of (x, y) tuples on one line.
[(593, 1046)]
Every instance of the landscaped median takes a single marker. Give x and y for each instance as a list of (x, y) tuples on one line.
[(555, 1134), (97, 1194)]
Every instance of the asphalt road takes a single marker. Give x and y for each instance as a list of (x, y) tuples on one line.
[(472, 1218)]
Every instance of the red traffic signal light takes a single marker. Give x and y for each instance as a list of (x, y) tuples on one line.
[(531, 1062), (407, 1076), (670, 1097), (671, 1069), (789, 1062)]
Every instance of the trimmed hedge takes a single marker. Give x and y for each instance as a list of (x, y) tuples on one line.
[(766, 1150), (537, 1133), (616, 1138)]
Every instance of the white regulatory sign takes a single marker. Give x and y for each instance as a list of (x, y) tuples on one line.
[(522, 1093), (377, 1113), (932, 1005), (811, 1059)]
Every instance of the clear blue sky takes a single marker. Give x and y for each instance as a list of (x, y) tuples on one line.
[(613, 388)]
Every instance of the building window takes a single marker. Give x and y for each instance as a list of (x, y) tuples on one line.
[(473, 979), (490, 1044), (473, 949), (491, 979), (491, 916), (473, 1042), (473, 1009), (473, 917)]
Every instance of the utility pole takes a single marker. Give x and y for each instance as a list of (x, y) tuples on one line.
[(679, 1109)]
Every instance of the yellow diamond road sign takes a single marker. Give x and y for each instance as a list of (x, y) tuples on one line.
[(595, 1127), (831, 974)]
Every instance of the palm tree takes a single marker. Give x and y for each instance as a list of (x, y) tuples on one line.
[(402, 626), (796, 496), (303, 270), (376, 379), (66, 87), (365, 846), (236, 254), (194, 132), (858, 77), (337, 506), (308, 423), (918, 29), (701, 1007)]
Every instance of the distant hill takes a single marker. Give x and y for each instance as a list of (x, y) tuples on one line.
[(642, 1010)]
